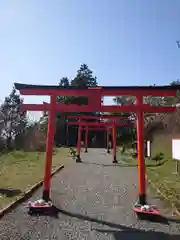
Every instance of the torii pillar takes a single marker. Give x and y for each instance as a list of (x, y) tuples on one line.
[(107, 137), (114, 142), (86, 139), (78, 157)]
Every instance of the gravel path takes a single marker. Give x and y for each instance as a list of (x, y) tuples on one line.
[(95, 202)]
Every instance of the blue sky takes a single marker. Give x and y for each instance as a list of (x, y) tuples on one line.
[(125, 42)]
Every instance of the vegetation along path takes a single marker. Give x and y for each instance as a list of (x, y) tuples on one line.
[(20, 170), (95, 200)]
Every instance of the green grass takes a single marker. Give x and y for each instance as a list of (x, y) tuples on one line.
[(167, 182), (127, 158), (161, 175), (20, 170), (162, 143)]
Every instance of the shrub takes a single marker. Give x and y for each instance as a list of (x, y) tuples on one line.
[(158, 156)]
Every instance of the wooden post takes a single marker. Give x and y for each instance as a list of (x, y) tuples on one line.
[(78, 157), (140, 147), (107, 134), (114, 142), (86, 140), (49, 150)]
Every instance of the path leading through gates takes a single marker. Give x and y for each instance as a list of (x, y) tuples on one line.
[(95, 202)]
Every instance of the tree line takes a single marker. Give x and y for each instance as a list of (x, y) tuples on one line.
[(18, 132)]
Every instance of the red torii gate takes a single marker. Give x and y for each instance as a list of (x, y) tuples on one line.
[(95, 105), (87, 129), (99, 117), (96, 124)]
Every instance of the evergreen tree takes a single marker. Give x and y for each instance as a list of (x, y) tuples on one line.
[(84, 78), (14, 120)]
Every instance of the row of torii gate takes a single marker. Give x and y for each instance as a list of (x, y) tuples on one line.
[(95, 96), (83, 124)]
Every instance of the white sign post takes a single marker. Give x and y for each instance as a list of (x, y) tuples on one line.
[(148, 149), (176, 152)]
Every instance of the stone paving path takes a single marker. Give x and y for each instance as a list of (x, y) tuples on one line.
[(95, 202)]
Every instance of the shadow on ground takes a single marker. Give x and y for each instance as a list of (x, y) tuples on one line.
[(109, 165), (10, 192), (135, 234), (152, 165), (120, 231)]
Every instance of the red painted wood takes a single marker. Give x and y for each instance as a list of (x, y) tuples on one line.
[(97, 129), (107, 139), (79, 138), (97, 117), (86, 137), (138, 92), (84, 108), (141, 160), (98, 124), (49, 150), (114, 140), (94, 105), (152, 212), (101, 91)]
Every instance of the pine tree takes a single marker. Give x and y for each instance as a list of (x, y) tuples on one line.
[(14, 120)]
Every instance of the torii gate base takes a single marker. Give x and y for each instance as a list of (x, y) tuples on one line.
[(40, 206), (146, 211), (78, 159)]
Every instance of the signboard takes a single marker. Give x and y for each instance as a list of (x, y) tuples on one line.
[(176, 153), (148, 149), (176, 149)]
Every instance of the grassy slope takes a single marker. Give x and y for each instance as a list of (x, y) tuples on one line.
[(163, 176), (20, 170)]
